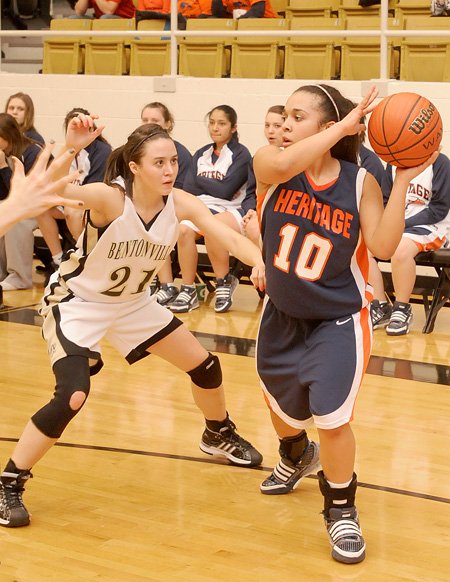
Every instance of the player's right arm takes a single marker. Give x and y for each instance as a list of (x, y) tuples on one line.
[(105, 202)]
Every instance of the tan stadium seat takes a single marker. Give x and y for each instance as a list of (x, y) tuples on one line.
[(313, 57), (150, 56), (207, 56), (350, 8), (405, 8), (280, 7), (312, 8), (360, 56), (109, 55), (259, 57), (65, 54), (426, 58)]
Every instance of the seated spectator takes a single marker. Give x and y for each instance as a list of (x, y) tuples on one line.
[(218, 176), (243, 9), (21, 107), (440, 7), (159, 9), (157, 112), (195, 8), (186, 8), (16, 246), (427, 224), (105, 9)]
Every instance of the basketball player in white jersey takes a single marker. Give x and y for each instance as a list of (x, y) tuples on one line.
[(101, 290)]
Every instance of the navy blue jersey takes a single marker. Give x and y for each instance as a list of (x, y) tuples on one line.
[(221, 176), (184, 162), (316, 260), (28, 158), (35, 136)]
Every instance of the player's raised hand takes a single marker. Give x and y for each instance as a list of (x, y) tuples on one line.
[(37, 191), (81, 131), (352, 121), (408, 174)]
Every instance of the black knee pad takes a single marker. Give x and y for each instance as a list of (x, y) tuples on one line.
[(208, 374), (72, 375)]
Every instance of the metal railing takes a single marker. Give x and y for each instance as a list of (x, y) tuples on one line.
[(384, 33)]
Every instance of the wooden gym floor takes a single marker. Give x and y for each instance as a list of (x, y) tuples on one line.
[(128, 496)]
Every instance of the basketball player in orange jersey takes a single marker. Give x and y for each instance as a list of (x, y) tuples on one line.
[(101, 290), (319, 214)]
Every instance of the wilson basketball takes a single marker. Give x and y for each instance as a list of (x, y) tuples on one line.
[(405, 129)]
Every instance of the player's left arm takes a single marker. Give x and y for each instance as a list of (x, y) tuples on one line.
[(382, 230), (189, 207)]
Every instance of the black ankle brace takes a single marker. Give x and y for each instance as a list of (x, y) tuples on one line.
[(338, 498), (294, 447)]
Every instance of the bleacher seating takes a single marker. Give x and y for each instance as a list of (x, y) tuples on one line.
[(280, 7), (207, 56), (259, 57), (150, 55), (65, 54), (312, 8), (425, 58), (360, 56), (350, 8), (404, 8), (313, 57), (109, 55), (269, 57)]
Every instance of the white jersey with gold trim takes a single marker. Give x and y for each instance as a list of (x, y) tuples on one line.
[(117, 263)]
